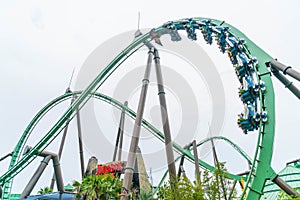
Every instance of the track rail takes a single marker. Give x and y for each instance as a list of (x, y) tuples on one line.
[(241, 50), (235, 146)]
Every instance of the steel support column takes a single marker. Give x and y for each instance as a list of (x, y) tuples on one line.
[(119, 139), (80, 143), (36, 176), (136, 131), (197, 169), (217, 165), (165, 118), (285, 187), (62, 144), (285, 69), (288, 84)]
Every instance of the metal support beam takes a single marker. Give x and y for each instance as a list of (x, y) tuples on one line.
[(57, 169), (183, 172), (232, 190), (216, 161), (165, 118), (56, 166), (180, 166), (285, 69), (62, 144), (288, 84), (243, 173), (80, 143), (36, 176), (197, 169), (285, 187), (136, 131), (6, 156), (58, 174), (293, 161), (242, 185), (119, 139), (122, 134)]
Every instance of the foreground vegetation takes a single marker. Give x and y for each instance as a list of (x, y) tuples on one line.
[(208, 186)]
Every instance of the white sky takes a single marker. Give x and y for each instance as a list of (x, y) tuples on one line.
[(41, 42)]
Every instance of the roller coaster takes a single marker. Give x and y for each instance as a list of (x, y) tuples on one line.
[(253, 67)]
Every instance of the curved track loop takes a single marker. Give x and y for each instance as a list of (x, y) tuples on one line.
[(241, 53), (115, 103), (235, 146)]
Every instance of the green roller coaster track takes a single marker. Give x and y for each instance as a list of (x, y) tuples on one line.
[(260, 170), (18, 151), (235, 146)]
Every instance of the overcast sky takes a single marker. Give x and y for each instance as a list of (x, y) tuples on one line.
[(42, 41)]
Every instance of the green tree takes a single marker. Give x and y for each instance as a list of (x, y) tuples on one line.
[(145, 196), (45, 190), (101, 187), (206, 187), (76, 186), (185, 190)]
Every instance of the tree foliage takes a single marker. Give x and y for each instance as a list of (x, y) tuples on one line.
[(101, 187), (208, 186), (45, 190), (284, 196)]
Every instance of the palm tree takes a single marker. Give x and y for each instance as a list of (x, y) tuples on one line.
[(102, 187), (45, 190)]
